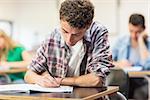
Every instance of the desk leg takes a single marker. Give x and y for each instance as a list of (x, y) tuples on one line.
[(148, 79)]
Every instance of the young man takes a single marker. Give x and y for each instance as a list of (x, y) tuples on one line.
[(76, 53), (134, 50)]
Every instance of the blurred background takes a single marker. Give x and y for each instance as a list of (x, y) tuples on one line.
[(30, 21)]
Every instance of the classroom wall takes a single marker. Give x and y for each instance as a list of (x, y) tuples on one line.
[(105, 12), (127, 7), (34, 19)]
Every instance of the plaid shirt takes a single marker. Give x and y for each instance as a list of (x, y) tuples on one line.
[(57, 53)]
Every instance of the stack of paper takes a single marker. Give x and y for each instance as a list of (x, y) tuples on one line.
[(135, 68), (33, 87)]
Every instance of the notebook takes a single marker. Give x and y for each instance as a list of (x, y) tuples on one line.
[(32, 88)]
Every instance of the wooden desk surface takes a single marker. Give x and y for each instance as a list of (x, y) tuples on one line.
[(134, 74), (77, 94), (138, 73), (15, 70)]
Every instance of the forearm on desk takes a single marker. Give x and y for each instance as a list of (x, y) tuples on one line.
[(84, 80)]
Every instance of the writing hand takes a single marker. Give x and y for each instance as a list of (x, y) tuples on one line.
[(48, 81)]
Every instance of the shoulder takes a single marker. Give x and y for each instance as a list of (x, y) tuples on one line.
[(96, 26), (19, 48), (54, 35), (96, 30), (53, 39), (123, 39)]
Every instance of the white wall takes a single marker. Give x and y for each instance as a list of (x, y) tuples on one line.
[(34, 19), (132, 6), (105, 12)]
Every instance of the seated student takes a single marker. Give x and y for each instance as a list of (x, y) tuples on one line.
[(134, 50), (13, 55), (76, 53)]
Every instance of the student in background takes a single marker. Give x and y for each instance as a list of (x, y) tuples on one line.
[(134, 50), (76, 53), (13, 55)]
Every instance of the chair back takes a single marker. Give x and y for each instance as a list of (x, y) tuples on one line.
[(118, 77)]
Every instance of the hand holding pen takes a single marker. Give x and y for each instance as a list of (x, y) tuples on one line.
[(48, 80)]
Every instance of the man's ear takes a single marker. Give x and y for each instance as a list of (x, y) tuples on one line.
[(89, 25)]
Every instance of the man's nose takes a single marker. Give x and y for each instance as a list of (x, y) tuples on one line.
[(69, 37)]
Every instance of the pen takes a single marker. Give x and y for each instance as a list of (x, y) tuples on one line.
[(46, 67)]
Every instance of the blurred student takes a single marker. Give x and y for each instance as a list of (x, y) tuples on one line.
[(133, 49), (13, 55)]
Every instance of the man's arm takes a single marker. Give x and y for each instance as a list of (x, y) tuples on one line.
[(45, 80), (87, 80), (142, 46)]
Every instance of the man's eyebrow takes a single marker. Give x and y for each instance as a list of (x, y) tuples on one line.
[(64, 30)]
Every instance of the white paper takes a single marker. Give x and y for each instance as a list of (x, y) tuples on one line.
[(133, 68), (33, 87)]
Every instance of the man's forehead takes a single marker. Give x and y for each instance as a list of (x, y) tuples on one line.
[(71, 29)]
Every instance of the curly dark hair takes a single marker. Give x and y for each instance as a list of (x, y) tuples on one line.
[(78, 13), (137, 19)]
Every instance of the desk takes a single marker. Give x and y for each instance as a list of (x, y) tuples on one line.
[(134, 74), (14, 70), (77, 94), (138, 73), (131, 77)]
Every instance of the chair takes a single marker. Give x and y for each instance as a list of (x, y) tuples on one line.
[(4, 79), (118, 77)]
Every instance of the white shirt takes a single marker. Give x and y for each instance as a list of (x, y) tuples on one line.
[(78, 52)]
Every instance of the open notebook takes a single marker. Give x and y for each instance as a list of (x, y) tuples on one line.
[(32, 88)]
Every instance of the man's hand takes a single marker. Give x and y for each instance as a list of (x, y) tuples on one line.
[(142, 37), (48, 81), (144, 52)]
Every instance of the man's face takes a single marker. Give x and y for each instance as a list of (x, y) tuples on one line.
[(135, 31), (71, 35)]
